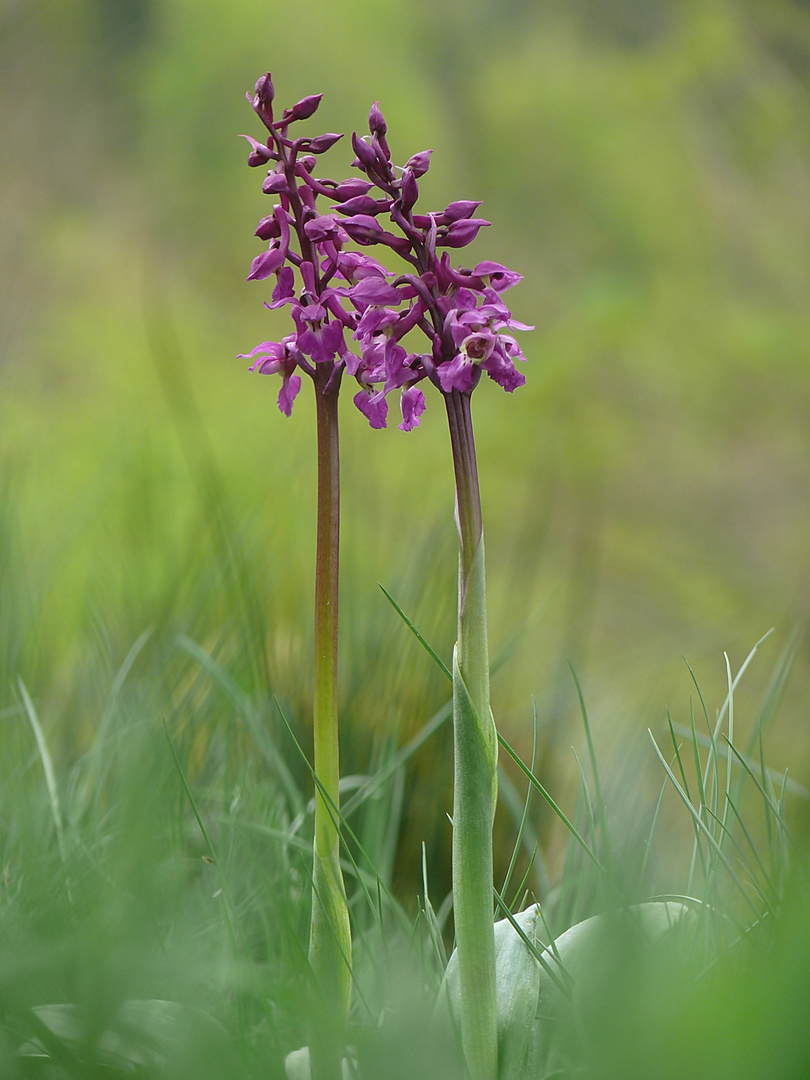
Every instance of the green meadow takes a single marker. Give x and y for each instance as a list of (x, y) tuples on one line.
[(646, 168)]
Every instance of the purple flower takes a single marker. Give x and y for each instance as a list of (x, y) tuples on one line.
[(412, 404), (460, 311), (328, 288), (275, 357), (457, 374), (333, 291), (373, 406)]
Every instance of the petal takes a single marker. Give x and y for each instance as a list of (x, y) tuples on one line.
[(457, 374), (266, 347), (373, 406), (266, 264), (502, 371), (286, 395), (374, 290), (500, 277), (412, 404)]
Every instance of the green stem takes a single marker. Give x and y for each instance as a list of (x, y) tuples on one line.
[(475, 764), (330, 936)]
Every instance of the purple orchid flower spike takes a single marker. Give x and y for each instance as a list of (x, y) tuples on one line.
[(313, 274), (460, 311), (469, 329)]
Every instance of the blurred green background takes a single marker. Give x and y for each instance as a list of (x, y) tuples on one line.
[(646, 167)]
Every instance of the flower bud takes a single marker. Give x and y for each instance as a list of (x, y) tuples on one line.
[(350, 189), (266, 264), (419, 163), (365, 154), (321, 143), (268, 228), (409, 191), (321, 227), (274, 183), (363, 229), (302, 109), (259, 153), (461, 233), (376, 121), (458, 211), (262, 101), (362, 204)]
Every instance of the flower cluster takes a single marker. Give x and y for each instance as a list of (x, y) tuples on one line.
[(460, 311)]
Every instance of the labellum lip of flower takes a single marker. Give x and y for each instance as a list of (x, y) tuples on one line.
[(500, 277), (373, 406), (412, 404), (456, 374)]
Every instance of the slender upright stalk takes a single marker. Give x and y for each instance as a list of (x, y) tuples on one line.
[(330, 936), (475, 764)]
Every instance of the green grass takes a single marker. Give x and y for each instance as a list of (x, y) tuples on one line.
[(167, 858), (645, 496)]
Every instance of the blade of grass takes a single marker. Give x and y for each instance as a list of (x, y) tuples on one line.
[(244, 707), (600, 802), (422, 641), (507, 791), (726, 831), (794, 788), (705, 829), (729, 759), (228, 907), (648, 847), (755, 853), (560, 814), (586, 799), (677, 750), (560, 978), (47, 767), (345, 830), (434, 930), (519, 891), (400, 758), (772, 806)]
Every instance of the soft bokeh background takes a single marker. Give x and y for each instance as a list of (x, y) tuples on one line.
[(646, 166)]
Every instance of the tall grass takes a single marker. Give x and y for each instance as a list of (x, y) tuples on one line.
[(156, 871)]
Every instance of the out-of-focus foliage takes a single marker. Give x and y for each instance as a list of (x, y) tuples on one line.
[(645, 164)]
